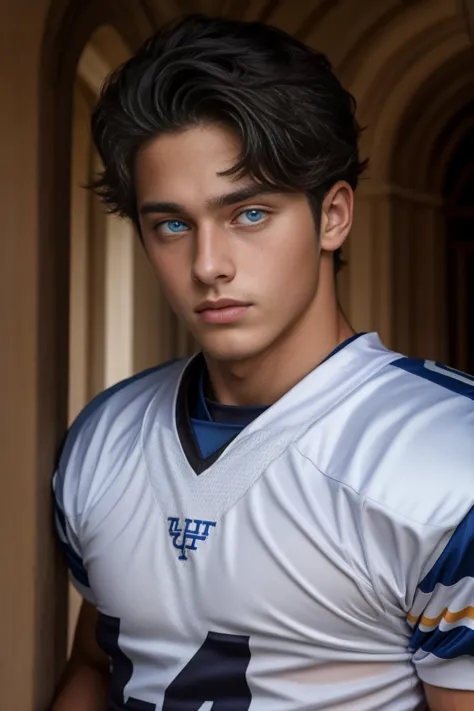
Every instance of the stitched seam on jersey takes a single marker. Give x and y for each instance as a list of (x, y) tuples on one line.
[(427, 564), (364, 498), (412, 519), (361, 494), (370, 583), (370, 567)]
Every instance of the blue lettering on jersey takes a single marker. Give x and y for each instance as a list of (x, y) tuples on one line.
[(186, 538)]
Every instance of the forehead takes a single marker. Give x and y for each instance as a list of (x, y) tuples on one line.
[(185, 166)]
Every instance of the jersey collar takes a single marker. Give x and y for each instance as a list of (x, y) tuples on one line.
[(345, 369)]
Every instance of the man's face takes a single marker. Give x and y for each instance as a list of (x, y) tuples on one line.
[(238, 266)]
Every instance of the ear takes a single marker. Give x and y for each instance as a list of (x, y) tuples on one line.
[(336, 216)]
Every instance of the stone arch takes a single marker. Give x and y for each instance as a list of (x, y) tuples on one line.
[(460, 124), (405, 79), (427, 124), (457, 190), (434, 122)]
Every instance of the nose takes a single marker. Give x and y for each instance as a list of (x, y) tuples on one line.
[(213, 255)]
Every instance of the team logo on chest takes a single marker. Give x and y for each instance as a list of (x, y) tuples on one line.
[(185, 538)]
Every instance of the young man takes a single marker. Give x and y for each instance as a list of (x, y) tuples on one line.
[(283, 522)]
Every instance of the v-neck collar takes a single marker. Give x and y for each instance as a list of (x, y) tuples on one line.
[(228, 474), (331, 380), (188, 390)]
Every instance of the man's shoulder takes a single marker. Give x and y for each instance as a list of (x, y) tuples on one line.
[(420, 441), (403, 440), (117, 409), (399, 457), (103, 437)]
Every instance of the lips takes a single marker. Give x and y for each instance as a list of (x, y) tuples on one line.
[(220, 304), (222, 311)]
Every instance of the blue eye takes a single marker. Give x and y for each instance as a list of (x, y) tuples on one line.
[(172, 226), (252, 217)]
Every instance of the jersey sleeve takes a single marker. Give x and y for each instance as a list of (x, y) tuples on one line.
[(87, 449), (442, 614), (69, 488), (67, 527)]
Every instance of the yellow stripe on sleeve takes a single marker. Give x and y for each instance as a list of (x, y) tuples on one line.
[(447, 615)]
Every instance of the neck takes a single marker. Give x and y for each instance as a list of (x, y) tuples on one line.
[(264, 378)]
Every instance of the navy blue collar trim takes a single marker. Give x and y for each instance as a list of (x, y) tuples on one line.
[(343, 345)]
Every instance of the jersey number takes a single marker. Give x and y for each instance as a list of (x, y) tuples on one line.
[(216, 673)]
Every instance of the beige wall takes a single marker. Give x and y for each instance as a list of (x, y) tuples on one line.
[(81, 249), (34, 338), (29, 414), (396, 58)]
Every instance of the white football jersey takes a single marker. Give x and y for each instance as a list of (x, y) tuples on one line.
[(324, 560)]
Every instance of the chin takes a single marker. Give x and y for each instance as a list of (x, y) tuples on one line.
[(231, 347)]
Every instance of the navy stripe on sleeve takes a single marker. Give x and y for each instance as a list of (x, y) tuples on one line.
[(448, 378), (453, 643), (457, 559)]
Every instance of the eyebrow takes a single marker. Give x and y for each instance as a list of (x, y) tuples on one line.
[(247, 193)]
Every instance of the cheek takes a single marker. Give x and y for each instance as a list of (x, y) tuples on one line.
[(290, 266), (172, 274)]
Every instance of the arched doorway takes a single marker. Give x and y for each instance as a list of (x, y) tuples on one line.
[(458, 191), (410, 78), (429, 137)]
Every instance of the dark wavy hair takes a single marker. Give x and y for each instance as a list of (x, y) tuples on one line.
[(295, 122)]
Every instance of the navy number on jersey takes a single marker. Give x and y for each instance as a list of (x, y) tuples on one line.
[(217, 673)]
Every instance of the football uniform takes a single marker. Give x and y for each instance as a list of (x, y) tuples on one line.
[(318, 556)]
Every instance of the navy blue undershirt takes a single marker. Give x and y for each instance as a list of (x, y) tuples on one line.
[(214, 424)]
